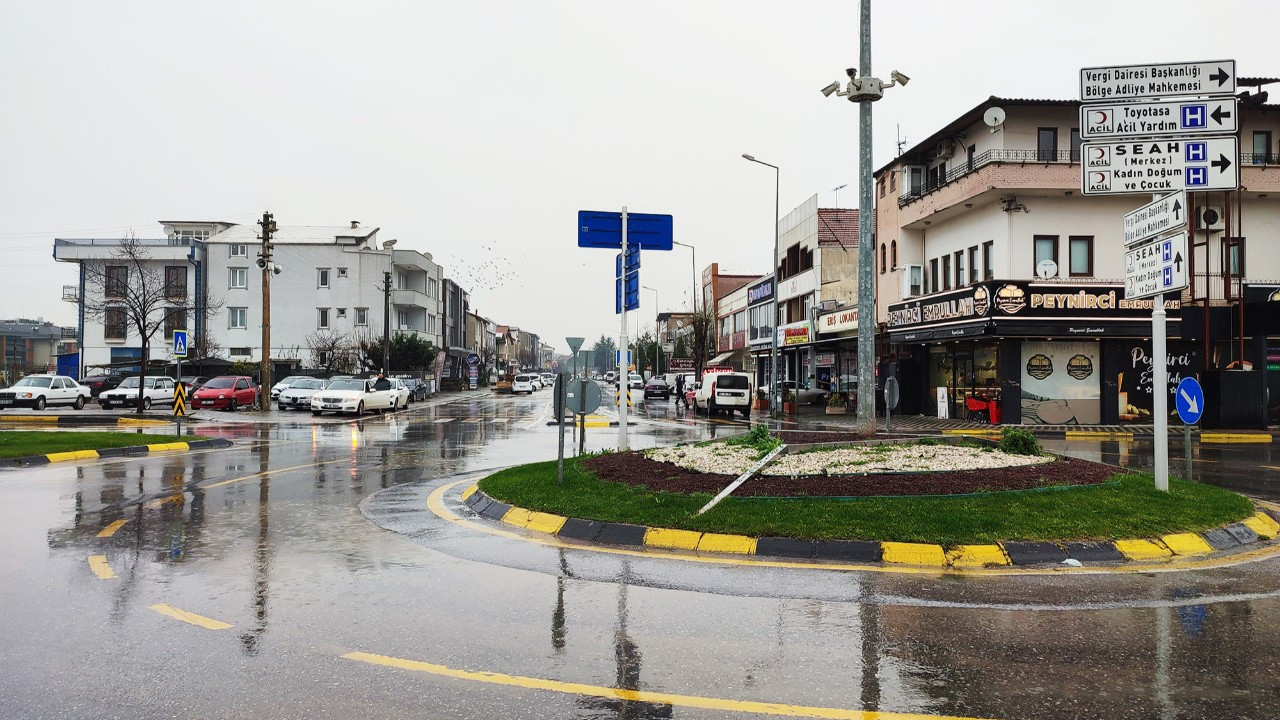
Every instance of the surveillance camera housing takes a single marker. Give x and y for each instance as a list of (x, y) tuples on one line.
[(851, 72), (899, 77), (833, 87), (276, 268)]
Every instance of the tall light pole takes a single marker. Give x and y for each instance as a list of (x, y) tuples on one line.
[(693, 262), (864, 90), (773, 261), (386, 305), (655, 328)]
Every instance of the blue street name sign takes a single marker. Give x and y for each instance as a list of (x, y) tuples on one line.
[(1189, 397), (628, 292), (179, 343), (604, 230)]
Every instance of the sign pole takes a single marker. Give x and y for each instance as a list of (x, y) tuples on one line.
[(1160, 392), (1186, 451), (177, 419), (623, 347), (559, 410)]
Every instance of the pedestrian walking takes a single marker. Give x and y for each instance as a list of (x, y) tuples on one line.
[(680, 398)]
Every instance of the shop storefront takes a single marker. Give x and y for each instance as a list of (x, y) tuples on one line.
[(1030, 353), (760, 328), (836, 356)]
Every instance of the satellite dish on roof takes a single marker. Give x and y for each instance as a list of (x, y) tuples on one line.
[(1047, 269), (993, 117)]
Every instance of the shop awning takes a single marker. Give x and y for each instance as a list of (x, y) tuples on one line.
[(943, 333), (722, 357)]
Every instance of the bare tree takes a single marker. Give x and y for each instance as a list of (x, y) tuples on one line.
[(702, 339), (332, 351), (132, 294)]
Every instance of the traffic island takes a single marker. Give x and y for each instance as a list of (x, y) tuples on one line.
[(26, 448), (1046, 510)]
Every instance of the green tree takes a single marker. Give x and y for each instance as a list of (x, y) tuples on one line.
[(408, 352), (605, 353), (680, 350)]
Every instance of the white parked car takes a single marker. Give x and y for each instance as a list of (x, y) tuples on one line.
[(155, 391), (635, 381), (37, 391), (548, 379), (352, 395), (285, 384), (522, 384), (727, 391), (401, 391), (298, 395)]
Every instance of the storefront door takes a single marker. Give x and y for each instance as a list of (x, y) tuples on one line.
[(961, 381)]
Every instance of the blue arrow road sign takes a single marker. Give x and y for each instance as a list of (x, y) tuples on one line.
[(179, 343), (604, 230), (1189, 397)]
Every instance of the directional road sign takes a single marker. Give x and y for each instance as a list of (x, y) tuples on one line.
[(179, 343), (582, 397), (604, 230), (627, 294), (179, 400), (1159, 118), (1127, 82), (1189, 398), (574, 343), (1156, 268), (1157, 217), (1153, 166)]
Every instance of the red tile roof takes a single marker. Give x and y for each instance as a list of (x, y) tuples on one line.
[(838, 227)]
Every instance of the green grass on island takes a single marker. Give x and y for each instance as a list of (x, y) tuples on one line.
[(25, 443), (1129, 508)]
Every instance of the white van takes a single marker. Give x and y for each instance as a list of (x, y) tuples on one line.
[(610, 376), (727, 391), (522, 384)]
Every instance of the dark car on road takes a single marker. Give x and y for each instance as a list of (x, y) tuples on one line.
[(98, 383), (657, 388), (417, 389)]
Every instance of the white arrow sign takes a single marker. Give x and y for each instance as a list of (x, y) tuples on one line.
[(1157, 217), (1155, 118), (1192, 405), (1154, 166), (1212, 77), (1156, 268)]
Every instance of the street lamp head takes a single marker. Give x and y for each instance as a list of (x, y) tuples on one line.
[(749, 157), (833, 87), (389, 244)]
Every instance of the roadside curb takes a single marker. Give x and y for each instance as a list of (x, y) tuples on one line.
[(80, 421), (1262, 526), (114, 452)]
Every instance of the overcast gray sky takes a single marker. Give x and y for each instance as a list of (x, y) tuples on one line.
[(455, 126)]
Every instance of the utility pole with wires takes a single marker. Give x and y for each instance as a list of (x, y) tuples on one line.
[(386, 321), (268, 225)]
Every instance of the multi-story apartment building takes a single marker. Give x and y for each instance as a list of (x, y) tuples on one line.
[(328, 290), (998, 281)]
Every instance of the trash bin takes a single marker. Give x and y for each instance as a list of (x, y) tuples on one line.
[(993, 408)]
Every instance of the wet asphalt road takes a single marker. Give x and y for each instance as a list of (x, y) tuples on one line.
[(307, 543)]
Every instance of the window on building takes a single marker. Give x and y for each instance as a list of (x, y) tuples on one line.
[(402, 281), (174, 319), (432, 291), (933, 276), (402, 320), (238, 278), (239, 251), (114, 324), (883, 258), (917, 179), (881, 186), (893, 180), (237, 318), (1046, 248), (1047, 144), (342, 272), (191, 235), (973, 152), (431, 324), (1261, 146), (1075, 145), (959, 260), (117, 284), (973, 265), (989, 260), (740, 321), (946, 272), (893, 254), (322, 318), (342, 312), (1233, 257), (1080, 250), (175, 281), (726, 323), (362, 316), (322, 277), (240, 351), (915, 281)]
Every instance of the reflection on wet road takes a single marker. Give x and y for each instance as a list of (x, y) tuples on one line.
[(300, 573)]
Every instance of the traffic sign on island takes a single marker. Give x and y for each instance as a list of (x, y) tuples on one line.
[(1154, 166), (1156, 268), (1157, 217), (1159, 118), (1189, 398), (604, 230), (1131, 82), (179, 343)]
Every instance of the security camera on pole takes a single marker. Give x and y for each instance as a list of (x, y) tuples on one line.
[(1157, 119), (268, 268)]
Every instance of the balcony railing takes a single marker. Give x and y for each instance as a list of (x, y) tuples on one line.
[(982, 159), (1259, 159), (1216, 286)]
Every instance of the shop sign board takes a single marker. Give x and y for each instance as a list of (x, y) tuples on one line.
[(1154, 166), (824, 359), (843, 320), (680, 363), (1159, 118), (798, 333), (760, 292), (963, 305), (797, 285), (1157, 217), (1149, 80), (1156, 268)]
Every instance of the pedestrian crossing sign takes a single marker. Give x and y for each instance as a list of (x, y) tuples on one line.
[(179, 343), (179, 400)]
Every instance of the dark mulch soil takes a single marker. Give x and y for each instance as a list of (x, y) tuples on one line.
[(633, 468)]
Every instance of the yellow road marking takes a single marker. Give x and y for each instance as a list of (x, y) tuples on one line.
[(160, 447), (734, 544), (39, 419), (1235, 438), (466, 494), (1142, 549), (913, 553), (190, 617), (435, 502), (976, 556), (111, 529), (72, 455), (646, 696), (1262, 524), (1186, 544), (140, 421), (546, 522), (98, 564), (1098, 434), (673, 539)]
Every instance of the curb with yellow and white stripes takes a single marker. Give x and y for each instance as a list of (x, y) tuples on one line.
[(135, 450), (1263, 525)]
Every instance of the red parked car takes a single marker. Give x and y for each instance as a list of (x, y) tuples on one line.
[(225, 391)]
